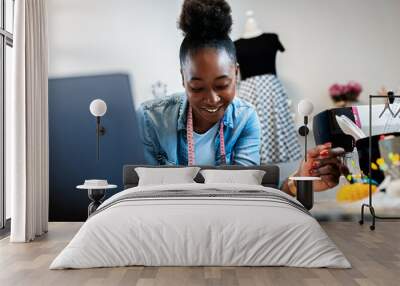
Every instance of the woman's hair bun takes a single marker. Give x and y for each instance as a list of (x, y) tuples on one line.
[(205, 19)]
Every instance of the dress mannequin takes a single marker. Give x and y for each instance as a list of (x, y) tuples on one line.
[(251, 28), (259, 85)]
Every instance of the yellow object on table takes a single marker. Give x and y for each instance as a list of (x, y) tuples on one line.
[(354, 192)]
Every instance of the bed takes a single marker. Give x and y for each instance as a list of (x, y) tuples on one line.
[(198, 224)]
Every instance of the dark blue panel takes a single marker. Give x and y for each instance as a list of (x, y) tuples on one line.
[(72, 139)]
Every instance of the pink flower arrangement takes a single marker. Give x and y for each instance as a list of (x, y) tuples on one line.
[(345, 92)]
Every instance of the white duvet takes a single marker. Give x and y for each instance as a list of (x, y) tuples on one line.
[(185, 231)]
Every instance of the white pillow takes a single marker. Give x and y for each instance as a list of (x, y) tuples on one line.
[(164, 176), (248, 177)]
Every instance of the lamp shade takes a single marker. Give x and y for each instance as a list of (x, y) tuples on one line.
[(98, 107), (305, 107)]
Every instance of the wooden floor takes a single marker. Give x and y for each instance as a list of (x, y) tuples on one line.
[(375, 257)]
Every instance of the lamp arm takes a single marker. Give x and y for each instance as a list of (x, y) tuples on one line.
[(98, 137), (305, 145)]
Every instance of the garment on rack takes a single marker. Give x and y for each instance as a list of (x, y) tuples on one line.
[(261, 87)]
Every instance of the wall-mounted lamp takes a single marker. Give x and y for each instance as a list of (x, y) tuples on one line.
[(305, 108), (305, 192), (98, 108)]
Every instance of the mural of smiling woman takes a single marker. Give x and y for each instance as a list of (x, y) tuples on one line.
[(207, 124)]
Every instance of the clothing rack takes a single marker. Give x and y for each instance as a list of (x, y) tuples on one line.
[(391, 98)]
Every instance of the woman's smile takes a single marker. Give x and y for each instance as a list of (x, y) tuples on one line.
[(212, 109)]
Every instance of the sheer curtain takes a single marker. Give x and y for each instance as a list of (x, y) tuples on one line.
[(27, 123)]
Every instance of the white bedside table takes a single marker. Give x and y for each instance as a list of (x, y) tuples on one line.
[(96, 191)]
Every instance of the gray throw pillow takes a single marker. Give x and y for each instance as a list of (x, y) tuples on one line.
[(248, 177), (164, 176)]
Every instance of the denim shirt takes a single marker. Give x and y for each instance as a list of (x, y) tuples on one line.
[(162, 125)]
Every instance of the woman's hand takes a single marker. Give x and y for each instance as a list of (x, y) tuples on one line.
[(322, 161)]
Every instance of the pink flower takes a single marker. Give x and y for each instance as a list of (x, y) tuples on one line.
[(346, 89), (335, 90), (348, 92), (354, 87)]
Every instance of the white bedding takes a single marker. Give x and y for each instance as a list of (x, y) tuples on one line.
[(183, 231)]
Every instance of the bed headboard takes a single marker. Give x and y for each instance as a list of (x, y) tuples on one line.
[(270, 179)]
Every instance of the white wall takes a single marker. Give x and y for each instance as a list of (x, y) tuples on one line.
[(101, 36), (326, 42)]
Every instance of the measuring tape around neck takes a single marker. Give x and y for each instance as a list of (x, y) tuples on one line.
[(190, 140)]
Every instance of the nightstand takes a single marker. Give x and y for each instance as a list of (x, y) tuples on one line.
[(96, 192)]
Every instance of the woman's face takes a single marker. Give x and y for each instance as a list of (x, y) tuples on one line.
[(209, 77)]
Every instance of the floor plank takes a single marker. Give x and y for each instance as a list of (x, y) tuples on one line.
[(374, 255)]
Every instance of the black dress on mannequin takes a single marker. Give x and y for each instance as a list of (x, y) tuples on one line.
[(260, 86), (257, 55)]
